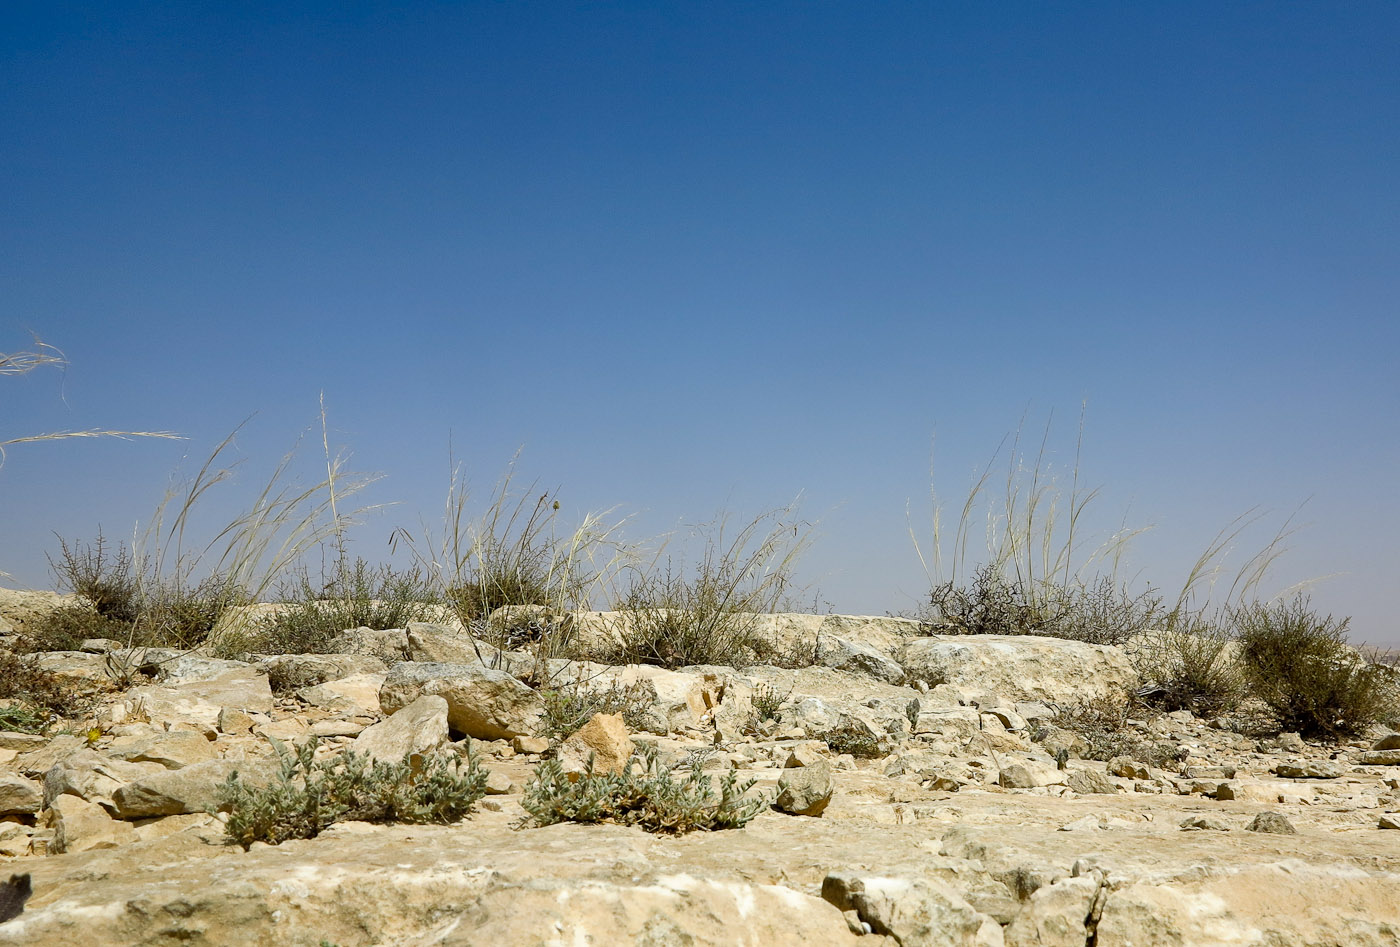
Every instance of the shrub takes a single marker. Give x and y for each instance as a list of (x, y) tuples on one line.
[(711, 616), (514, 554), (1300, 665), (644, 794), (1098, 612), (1189, 665), (37, 693), (766, 701), (356, 595), (1104, 725), (569, 707), (308, 794)]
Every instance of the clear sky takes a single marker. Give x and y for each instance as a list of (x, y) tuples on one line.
[(707, 256)]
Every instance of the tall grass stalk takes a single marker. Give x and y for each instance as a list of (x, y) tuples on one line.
[(43, 354), (515, 552)]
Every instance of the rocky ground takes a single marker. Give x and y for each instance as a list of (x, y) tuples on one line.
[(961, 812)]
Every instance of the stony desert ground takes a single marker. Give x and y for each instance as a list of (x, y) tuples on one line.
[(960, 812)]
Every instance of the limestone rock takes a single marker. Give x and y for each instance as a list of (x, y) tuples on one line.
[(79, 826), (1021, 667), (171, 749), (289, 672), (19, 796), (1273, 823), (1204, 823), (193, 788), (916, 912), (806, 790), (604, 739), (200, 702), (1091, 781), (1029, 774), (1055, 915), (860, 659), (1310, 769), (1391, 741), (356, 694), (389, 645), (418, 728), (1381, 758), (482, 703), (1389, 820)]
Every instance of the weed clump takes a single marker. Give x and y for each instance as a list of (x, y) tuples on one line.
[(308, 794), (356, 595), (711, 616), (1098, 612), (31, 694), (1300, 665), (1106, 727), (848, 738), (644, 794), (1190, 665)]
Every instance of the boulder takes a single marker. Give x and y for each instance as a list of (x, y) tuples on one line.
[(482, 703), (79, 825), (1030, 774), (1055, 915), (1310, 769), (199, 702), (603, 739), (389, 645), (1272, 823), (420, 727), (805, 790), (289, 672), (856, 658), (171, 749), (19, 796), (357, 694), (915, 912), (1021, 667), (192, 788)]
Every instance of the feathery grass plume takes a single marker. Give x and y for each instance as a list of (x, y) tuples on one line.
[(20, 363), (514, 553), (169, 591), (709, 614), (1036, 577)]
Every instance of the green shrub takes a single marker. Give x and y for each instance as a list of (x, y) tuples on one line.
[(569, 707), (308, 794), (356, 595), (36, 693), (766, 702), (1104, 725), (1300, 665), (1098, 612), (1189, 665), (644, 794), (122, 603), (711, 615)]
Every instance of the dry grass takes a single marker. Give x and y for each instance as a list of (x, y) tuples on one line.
[(42, 355), (516, 551)]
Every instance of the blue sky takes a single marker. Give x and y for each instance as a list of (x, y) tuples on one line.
[(707, 256)]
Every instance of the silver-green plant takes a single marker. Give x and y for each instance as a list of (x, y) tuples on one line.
[(643, 793), (307, 794)]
